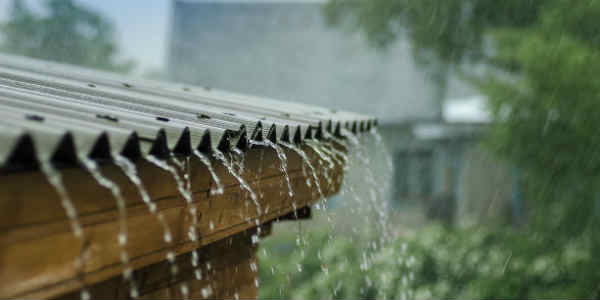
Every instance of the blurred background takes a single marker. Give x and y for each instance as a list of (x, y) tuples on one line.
[(487, 109)]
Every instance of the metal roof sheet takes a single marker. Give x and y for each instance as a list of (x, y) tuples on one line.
[(56, 111)]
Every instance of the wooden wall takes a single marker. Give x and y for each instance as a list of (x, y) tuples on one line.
[(38, 252), (231, 275)]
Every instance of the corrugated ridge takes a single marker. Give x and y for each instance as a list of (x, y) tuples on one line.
[(56, 112)]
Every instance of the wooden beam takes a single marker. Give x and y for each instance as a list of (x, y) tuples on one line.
[(230, 274), (38, 252)]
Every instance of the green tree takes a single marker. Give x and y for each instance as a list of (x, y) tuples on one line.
[(540, 59), (67, 32)]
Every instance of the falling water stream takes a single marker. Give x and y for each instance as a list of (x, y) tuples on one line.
[(130, 170), (185, 191), (240, 159), (365, 190), (206, 161), (54, 177), (282, 159), (229, 166), (93, 169), (328, 156), (307, 162)]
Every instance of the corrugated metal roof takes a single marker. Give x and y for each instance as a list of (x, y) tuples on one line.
[(55, 111)]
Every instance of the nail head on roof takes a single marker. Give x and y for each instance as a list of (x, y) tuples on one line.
[(203, 116), (91, 85), (162, 119), (36, 118), (108, 117), (127, 85)]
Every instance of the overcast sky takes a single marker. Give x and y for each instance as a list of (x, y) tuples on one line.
[(141, 25)]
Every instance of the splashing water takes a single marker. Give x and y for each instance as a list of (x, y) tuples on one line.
[(328, 150), (54, 177), (315, 146), (221, 157), (240, 159), (181, 187), (381, 146), (307, 162), (130, 170), (185, 191), (283, 160), (93, 169), (206, 161)]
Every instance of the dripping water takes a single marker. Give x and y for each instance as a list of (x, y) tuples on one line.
[(122, 236), (130, 170), (54, 177), (384, 150), (307, 162), (206, 161), (184, 189), (181, 187), (317, 148), (283, 161), (228, 165), (240, 159)]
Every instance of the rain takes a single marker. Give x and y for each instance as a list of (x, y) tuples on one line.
[(310, 149)]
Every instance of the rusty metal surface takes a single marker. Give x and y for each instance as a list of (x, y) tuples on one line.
[(51, 111)]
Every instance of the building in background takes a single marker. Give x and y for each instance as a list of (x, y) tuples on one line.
[(443, 166), (284, 50)]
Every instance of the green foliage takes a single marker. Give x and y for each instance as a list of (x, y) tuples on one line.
[(502, 263), (320, 269), (540, 60), (437, 263), (448, 31), (67, 32)]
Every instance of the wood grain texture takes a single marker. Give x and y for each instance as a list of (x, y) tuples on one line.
[(38, 253), (230, 274)]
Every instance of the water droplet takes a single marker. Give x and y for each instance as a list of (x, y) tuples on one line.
[(85, 294), (325, 269), (184, 290), (206, 292), (168, 237), (171, 256), (122, 239), (134, 293)]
